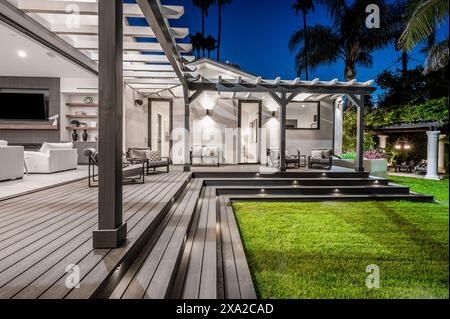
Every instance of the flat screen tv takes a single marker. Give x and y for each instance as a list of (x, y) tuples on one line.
[(21, 106)]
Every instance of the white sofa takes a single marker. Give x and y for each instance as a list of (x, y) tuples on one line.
[(52, 158), (11, 161)]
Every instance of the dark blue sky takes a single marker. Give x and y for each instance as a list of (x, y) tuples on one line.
[(256, 32)]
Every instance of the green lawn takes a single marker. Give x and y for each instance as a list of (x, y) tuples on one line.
[(321, 250)]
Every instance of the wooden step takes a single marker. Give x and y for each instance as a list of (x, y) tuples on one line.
[(314, 190), (153, 272), (197, 275), (296, 182), (307, 174)]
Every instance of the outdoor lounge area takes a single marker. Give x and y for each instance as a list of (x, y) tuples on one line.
[(135, 166)]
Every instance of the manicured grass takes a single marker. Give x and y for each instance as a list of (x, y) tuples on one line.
[(321, 250)]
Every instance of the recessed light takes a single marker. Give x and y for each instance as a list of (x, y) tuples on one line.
[(22, 54)]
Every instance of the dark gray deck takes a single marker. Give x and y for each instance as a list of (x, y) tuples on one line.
[(43, 232)]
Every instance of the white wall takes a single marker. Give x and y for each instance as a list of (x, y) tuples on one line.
[(135, 119), (162, 108)]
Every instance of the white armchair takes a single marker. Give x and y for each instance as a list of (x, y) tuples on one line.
[(11, 162), (52, 158)]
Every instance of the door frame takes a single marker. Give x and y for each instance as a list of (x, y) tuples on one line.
[(240, 102), (150, 113)]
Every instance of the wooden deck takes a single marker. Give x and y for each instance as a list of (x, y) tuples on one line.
[(44, 232)]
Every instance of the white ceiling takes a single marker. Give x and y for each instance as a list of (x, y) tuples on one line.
[(37, 63)]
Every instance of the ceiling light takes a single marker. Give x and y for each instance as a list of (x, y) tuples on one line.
[(22, 54)]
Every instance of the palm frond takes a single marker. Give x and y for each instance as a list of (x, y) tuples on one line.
[(437, 57), (422, 21)]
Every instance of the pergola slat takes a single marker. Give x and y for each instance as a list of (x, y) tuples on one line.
[(132, 31), (133, 46)]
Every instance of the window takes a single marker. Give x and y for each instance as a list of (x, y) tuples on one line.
[(303, 116)]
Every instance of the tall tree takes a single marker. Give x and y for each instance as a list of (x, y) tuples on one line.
[(210, 44), (197, 41), (349, 39), (220, 4), (204, 6), (304, 6), (424, 16)]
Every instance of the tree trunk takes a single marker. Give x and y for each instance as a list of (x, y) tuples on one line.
[(350, 70), (306, 45), (405, 77), (219, 31), (203, 29)]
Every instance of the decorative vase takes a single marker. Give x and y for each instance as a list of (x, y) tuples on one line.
[(74, 136), (85, 136)]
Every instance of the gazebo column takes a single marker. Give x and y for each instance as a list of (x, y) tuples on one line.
[(432, 155), (359, 102), (382, 141), (187, 144), (441, 158), (283, 100), (111, 230)]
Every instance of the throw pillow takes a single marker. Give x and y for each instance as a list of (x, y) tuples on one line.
[(316, 154), (154, 156), (3, 143)]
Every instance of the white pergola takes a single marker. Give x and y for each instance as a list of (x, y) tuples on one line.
[(147, 68)]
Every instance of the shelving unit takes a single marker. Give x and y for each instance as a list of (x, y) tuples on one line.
[(74, 106)]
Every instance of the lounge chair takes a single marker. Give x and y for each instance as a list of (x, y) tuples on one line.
[(153, 159), (322, 158), (421, 168)]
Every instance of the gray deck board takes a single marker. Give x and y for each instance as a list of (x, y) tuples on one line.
[(45, 231)]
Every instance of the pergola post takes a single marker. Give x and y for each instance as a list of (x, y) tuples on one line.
[(283, 100), (359, 102), (111, 230), (432, 155), (283, 106), (187, 112)]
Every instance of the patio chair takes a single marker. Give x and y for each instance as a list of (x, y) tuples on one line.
[(322, 158), (153, 159), (421, 168), (133, 175)]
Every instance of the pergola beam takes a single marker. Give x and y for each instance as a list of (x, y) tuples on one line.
[(359, 102), (146, 58)]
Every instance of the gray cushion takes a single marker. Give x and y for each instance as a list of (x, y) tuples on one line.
[(138, 153), (157, 164)]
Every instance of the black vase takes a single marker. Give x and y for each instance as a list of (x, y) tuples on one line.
[(74, 136), (85, 136)]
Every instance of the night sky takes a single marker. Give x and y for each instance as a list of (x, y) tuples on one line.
[(255, 34)]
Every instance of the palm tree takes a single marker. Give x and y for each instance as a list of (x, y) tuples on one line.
[(210, 44), (197, 41), (348, 39), (220, 5), (304, 6), (204, 6), (423, 18)]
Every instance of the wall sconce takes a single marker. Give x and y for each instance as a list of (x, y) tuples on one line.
[(273, 114), (208, 112)]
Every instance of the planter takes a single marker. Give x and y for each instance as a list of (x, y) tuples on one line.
[(376, 167)]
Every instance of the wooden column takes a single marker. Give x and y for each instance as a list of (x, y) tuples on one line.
[(283, 106), (111, 229), (187, 144), (283, 100)]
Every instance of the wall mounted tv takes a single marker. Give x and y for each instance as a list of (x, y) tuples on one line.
[(23, 105)]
